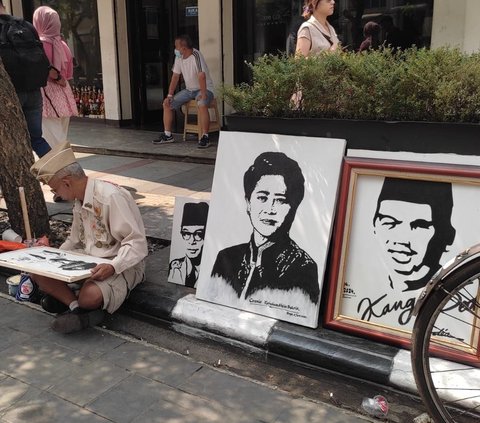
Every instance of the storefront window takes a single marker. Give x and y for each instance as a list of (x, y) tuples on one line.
[(264, 26), (261, 27), (80, 31), (188, 19), (410, 19)]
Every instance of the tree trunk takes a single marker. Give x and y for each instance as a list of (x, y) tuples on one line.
[(16, 157)]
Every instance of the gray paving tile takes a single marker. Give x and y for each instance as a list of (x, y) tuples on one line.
[(261, 402), (190, 177), (11, 337), (91, 343), (25, 319), (14, 391), (181, 407), (157, 171), (172, 190), (38, 364), (138, 393), (47, 408), (41, 348), (202, 409), (305, 411), (210, 384), (165, 412), (86, 383), (257, 401), (101, 163), (154, 363), (162, 412)]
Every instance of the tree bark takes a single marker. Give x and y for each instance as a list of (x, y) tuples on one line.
[(16, 157)]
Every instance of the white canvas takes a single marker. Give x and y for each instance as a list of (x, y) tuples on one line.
[(229, 226), (187, 240), (47, 261)]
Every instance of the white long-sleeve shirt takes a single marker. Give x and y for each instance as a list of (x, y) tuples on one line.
[(108, 224)]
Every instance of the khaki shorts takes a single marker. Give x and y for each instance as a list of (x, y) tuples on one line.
[(116, 288)]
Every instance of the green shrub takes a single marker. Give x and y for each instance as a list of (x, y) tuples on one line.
[(418, 84)]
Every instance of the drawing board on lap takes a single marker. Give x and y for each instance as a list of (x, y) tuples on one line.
[(269, 224), (63, 265)]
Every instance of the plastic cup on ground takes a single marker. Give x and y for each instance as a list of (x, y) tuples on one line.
[(376, 406), (11, 235)]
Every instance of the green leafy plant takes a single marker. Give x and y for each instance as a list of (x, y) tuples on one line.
[(417, 85)]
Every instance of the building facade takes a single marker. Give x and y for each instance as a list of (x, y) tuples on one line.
[(124, 48)]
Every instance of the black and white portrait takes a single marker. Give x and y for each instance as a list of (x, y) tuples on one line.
[(400, 228), (190, 221), (412, 222), (271, 258), (63, 265), (274, 188)]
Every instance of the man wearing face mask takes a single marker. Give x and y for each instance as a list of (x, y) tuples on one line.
[(189, 63)]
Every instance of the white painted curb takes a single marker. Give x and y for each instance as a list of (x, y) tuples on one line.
[(462, 381), (236, 324), (401, 374)]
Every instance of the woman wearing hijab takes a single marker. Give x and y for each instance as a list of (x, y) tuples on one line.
[(58, 100)]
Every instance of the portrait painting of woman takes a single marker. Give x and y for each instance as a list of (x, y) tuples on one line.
[(269, 256), (274, 188)]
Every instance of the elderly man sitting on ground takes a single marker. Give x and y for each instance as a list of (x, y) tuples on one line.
[(106, 223)]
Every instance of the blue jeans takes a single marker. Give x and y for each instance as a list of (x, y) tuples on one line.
[(32, 106)]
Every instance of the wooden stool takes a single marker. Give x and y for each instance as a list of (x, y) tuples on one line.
[(191, 109)]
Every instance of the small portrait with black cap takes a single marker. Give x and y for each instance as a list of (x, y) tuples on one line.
[(187, 241)]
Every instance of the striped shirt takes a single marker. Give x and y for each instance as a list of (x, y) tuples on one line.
[(190, 68)]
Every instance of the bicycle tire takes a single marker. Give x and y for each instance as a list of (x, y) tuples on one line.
[(442, 409)]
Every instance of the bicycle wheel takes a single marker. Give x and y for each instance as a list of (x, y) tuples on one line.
[(449, 324)]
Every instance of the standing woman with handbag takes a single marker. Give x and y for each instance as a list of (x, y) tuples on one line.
[(58, 100), (316, 34)]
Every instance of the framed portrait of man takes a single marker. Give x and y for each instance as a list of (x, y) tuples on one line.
[(398, 222), (188, 235), (269, 224)]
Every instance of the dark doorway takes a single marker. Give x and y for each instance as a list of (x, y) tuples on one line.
[(153, 25)]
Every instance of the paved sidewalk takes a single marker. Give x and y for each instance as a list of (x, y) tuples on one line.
[(95, 137), (99, 376)]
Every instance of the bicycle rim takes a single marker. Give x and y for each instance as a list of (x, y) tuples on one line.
[(450, 390)]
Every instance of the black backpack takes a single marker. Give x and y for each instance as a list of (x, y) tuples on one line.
[(22, 54)]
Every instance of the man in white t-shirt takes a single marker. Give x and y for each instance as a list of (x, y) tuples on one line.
[(189, 63)]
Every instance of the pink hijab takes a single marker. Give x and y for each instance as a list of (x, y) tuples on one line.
[(47, 23)]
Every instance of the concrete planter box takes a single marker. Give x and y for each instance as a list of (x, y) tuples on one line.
[(418, 137)]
